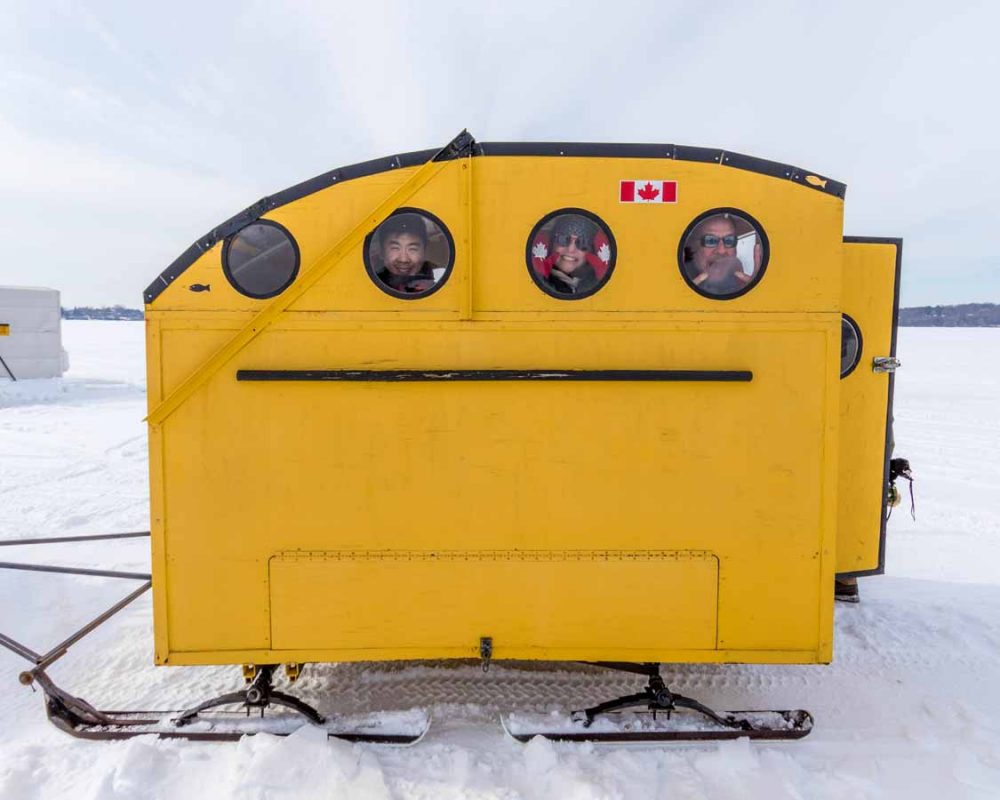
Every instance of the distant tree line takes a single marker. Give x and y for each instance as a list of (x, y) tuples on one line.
[(102, 312), (967, 315)]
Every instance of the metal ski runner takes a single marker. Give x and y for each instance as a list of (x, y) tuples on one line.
[(79, 718), (205, 722), (656, 715)]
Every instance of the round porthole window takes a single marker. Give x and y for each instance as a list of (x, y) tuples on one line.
[(571, 254), (723, 253), (850, 345), (260, 260), (410, 255)]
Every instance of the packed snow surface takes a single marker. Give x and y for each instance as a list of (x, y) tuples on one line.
[(909, 708)]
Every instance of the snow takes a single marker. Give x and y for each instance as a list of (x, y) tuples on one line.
[(909, 708)]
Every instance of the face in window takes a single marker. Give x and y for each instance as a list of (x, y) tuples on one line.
[(715, 266), (403, 253), (572, 249)]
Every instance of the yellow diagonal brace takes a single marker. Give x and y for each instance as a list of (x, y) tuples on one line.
[(279, 304)]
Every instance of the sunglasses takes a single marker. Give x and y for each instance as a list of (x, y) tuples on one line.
[(711, 240), (564, 239)]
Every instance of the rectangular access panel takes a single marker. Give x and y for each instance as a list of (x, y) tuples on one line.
[(446, 605)]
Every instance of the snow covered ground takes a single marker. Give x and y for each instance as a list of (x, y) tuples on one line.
[(909, 708)]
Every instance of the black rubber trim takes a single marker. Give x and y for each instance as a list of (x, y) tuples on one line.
[(576, 149), (898, 244), (445, 375), (703, 155), (464, 145)]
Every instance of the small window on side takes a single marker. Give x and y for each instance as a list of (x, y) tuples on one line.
[(850, 345), (571, 254), (410, 255), (260, 260), (723, 253)]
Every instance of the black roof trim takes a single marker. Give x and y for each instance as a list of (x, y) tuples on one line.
[(271, 202), (464, 145), (896, 241), (575, 149)]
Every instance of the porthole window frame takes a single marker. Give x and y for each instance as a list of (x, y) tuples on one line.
[(612, 261), (227, 245), (765, 258), (861, 343), (373, 275)]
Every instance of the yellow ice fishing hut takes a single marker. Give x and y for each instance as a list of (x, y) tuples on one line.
[(587, 402)]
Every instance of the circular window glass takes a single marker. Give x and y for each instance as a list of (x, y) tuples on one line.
[(571, 253), (260, 260), (850, 345), (723, 253), (410, 255)]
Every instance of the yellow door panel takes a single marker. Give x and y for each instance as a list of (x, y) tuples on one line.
[(871, 274)]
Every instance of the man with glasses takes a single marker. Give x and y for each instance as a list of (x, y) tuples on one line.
[(710, 257)]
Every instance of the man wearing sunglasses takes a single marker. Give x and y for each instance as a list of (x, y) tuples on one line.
[(710, 253)]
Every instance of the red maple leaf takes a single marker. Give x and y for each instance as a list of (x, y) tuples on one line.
[(648, 192)]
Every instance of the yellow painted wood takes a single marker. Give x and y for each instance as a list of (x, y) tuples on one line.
[(634, 654), (267, 315), (457, 597), (249, 476), (869, 286)]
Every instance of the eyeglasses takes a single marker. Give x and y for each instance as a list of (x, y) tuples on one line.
[(711, 240), (564, 240)]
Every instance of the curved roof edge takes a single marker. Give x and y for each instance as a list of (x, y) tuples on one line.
[(464, 145)]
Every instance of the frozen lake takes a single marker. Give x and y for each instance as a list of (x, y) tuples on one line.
[(910, 706)]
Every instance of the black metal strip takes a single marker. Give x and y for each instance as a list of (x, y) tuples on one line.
[(8, 369), (56, 539), (97, 573), (463, 145), (442, 375), (576, 149)]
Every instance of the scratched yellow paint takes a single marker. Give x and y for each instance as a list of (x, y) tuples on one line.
[(615, 520)]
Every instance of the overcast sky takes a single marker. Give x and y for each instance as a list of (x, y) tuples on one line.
[(127, 130)]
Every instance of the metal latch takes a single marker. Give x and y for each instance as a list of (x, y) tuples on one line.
[(486, 651), (885, 364)]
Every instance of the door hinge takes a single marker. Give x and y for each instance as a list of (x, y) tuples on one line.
[(885, 364)]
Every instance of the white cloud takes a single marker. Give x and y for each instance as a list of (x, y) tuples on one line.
[(168, 119)]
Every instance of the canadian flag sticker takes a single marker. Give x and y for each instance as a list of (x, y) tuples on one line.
[(647, 191)]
